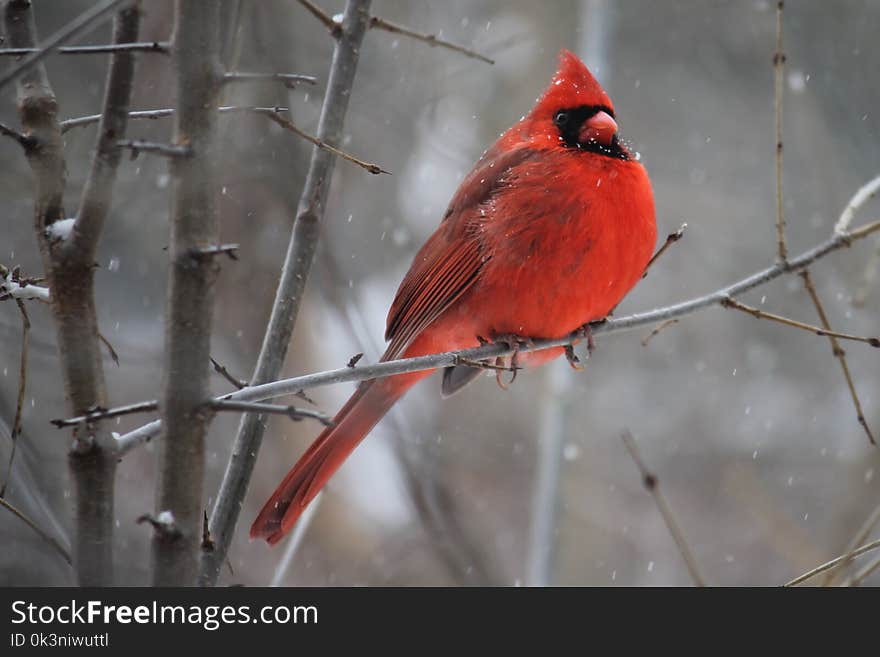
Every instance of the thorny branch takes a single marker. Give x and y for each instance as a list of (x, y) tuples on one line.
[(260, 392), (652, 485)]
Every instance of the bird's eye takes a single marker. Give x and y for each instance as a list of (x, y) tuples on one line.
[(561, 118)]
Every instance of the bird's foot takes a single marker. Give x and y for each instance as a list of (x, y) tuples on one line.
[(572, 358), (509, 363)]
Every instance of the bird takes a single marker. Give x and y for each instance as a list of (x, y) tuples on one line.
[(549, 231)]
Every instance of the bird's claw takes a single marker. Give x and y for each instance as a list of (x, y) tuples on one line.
[(511, 362), (572, 358)]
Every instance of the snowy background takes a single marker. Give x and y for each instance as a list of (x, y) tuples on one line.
[(748, 425)]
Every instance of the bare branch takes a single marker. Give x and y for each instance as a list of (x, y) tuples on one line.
[(287, 124), (12, 133), (103, 49), (671, 239), (838, 352), (106, 413), (657, 329), (430, 39), (190, 299), (778, 73), (295, 385), (332, 26), (71, 280), (294, 275), (760, 314), (292, 412), (42, 534), (864, 194), (229, 250), (83, 23), (652, 485), (860, 576), (830, 564), (22, 387), (290, 80), (222, 371), (295, 541), (97, 193), (162, 113), (850, 553), (10, 288), (138, 146)]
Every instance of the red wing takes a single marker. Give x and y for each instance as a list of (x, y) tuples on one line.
[(449, 262)]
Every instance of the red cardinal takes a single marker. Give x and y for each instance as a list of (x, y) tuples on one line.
[(550, 230)]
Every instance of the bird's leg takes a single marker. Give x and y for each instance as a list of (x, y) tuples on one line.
[(585, 331), (572, 358), (510, 363)]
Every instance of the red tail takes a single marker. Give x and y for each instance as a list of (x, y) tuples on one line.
[(360, 414)]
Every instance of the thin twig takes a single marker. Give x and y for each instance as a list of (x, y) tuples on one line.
[(12, 287), (229, 250), (162, 113), (652, 485), (325, 19), (295, 540), (290, 80), (430, 39), (287, 124), (86, 21), (854, 543), (292, 412), (101, 49), (671, 239), (291, 286), (760, 314), (110, 350), (864, 194), (222, 371), (22, 387), (296, 385), (778, 73), (657, 329), (830, 564), (106, 413), (138, 146), (863, 573), (838, 352), (42, 534)]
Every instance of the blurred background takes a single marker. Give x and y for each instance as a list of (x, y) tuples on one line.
[(748, 425)]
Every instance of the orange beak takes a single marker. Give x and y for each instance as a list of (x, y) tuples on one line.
[(598, 129)]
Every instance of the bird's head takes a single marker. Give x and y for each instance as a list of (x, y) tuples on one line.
[(575, 112)]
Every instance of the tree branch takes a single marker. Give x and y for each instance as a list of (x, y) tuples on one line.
[(778, 73), (70, 280), (190, 300), (97, 194), (295, 385), (838, 352), (289, 79), (294, 275), (83, 23), (137, 146), (760, 314), (40, 532), (78, 122), (101, 49), (22, 387), (431, 39), (649, 479), (864, 194), (830, 564)]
